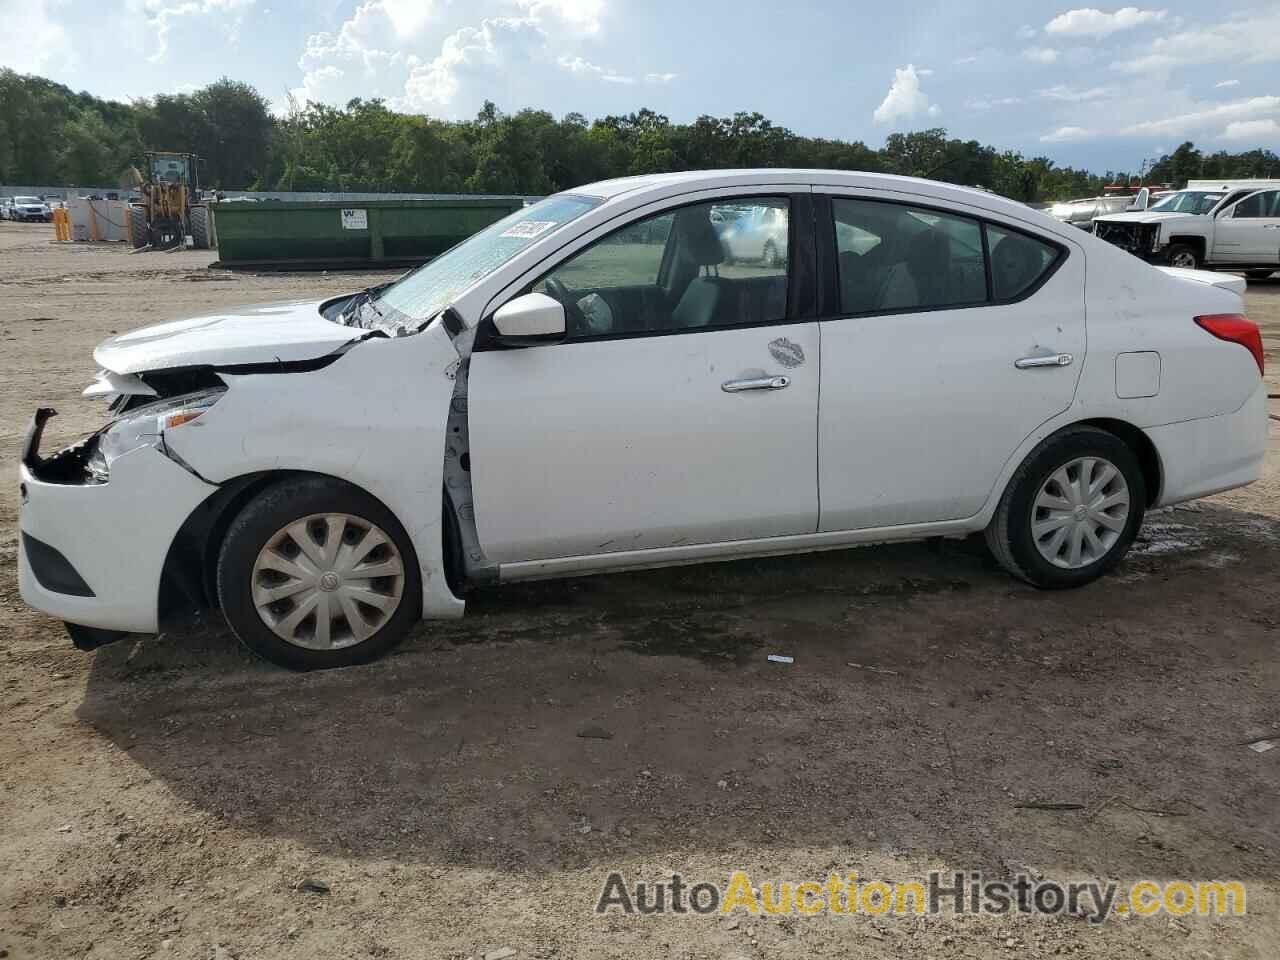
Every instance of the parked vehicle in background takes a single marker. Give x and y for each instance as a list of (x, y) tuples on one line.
[(1080, 213), (6, 207), (1233, 224), (30, 208), (754, 234), (581, 388)]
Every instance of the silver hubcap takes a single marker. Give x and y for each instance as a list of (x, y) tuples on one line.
[(1184, 260), (327, 581), (1080, 512)]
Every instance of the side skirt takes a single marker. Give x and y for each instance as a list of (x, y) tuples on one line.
[(730, 550)]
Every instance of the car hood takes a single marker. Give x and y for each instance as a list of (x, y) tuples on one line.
[(266, 333), (1146, 216), (1224, 281)]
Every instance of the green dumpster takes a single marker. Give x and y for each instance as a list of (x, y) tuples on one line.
[(349, 232)]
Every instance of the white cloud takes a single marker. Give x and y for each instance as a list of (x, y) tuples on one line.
[(1252, 130), (586, 68), (1067, 135), (163, 15), (660, 77), (497, 44), (1026, 32), (1199, 120), (905, 98), (32, 38), (965, 60), (1065, 94), (1090, 22), (1040, 55), (583, 14), (1244, 39), (991, 104), (1223, 84)]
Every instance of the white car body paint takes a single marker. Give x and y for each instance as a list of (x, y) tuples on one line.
[(636, 456), (293, 330), (148, 499), (361, 419)]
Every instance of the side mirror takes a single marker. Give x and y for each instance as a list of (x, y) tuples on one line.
[(529, 320), (1142, 200)]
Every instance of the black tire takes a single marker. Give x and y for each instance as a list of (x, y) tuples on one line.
[(1009, 535), (1185, 251), (1259, 274), (259, 521), (200, 227), (138, 227)]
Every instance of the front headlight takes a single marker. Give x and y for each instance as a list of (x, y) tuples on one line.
[(145, 427)]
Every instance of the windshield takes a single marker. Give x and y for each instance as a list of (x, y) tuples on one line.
[(1187, 201), (429, 289), (26, 199)]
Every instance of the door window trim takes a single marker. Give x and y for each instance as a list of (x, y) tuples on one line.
[(831, 282), (802, 271)]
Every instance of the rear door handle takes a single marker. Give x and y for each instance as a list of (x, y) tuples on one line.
[(756, 383), (1049, 360)]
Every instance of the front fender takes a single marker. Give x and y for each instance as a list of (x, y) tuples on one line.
[(376, 418)]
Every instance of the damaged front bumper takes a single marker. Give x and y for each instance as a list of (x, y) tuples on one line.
[(91, 553), (1140, 239)]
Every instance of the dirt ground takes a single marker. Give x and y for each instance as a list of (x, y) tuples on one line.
[(168, 797)]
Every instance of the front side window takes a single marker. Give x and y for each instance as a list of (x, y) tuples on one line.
[(714, 264), (895, 257), (1259, 205)]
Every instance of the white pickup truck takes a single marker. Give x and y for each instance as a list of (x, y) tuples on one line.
[(1212, 224)]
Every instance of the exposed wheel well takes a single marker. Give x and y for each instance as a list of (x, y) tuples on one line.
[(1196, 243), (188, 581), (1141, 445)]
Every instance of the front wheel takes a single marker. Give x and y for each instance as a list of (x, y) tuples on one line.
[(1071, 511), (315, 573), (1182, 255)]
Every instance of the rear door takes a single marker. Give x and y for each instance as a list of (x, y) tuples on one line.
[(681, 409), (1249, 232), (934, 369)]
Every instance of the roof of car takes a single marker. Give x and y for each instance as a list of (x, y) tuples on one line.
[(696, 179)]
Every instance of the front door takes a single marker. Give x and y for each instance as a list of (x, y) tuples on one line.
[(1250, 231), (930, 380), (681, 408)]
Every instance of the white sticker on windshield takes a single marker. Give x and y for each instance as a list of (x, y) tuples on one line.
[(528, 229)]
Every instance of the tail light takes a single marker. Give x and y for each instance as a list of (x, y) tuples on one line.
[(1235, 328)]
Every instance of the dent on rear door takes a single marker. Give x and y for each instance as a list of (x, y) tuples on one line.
[(376, 417)]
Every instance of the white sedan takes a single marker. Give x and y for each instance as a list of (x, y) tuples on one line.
[(580, 388)]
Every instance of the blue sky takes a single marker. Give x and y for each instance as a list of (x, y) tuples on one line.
[(1096, 87)]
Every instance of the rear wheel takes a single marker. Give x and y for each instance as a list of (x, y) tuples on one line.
[(200, 227), (1071, 511), (1184, 255), (138, 227), (315, 574)]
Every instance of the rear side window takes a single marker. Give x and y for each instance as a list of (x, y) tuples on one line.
[(895, 257), (1017, 262), (899, 258)]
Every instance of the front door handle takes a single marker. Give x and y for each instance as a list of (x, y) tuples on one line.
[(1049, 360), (756, 383)]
